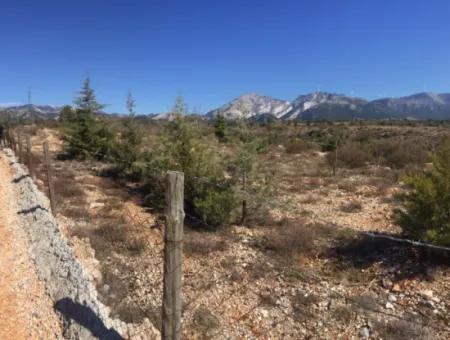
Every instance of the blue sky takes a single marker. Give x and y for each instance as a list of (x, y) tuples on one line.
[(213, 51)]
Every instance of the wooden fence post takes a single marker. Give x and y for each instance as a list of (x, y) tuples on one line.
[(51, 190), (7, 139), (335, 157), (30, 157), (13, 142), (173, 251), (19, 142)]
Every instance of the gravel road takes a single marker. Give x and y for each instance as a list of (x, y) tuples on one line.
[(26, 311)]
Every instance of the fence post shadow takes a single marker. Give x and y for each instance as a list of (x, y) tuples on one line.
[(85, 316)]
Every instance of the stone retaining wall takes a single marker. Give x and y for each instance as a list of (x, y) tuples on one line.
[(67, 283)]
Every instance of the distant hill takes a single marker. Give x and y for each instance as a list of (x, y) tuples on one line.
[(331, 106), (32, 111)]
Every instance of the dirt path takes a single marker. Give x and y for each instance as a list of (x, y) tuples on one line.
[(26, 312)]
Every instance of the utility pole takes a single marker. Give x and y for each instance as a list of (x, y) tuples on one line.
[(30, 111)]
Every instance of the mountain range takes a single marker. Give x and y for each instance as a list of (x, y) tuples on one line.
[(32, 111), (313, 106), (331, 106)]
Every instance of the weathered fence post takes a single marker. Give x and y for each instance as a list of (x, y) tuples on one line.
[(51, 190), (19, 142), (13, 142), (173, 251), (30, 157), (8, 139), (335, 157)]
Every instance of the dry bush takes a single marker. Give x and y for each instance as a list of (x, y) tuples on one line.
[(75, 212), (367, 302), (351, 155), (268, 299), (348, 186), (310, 199), (113, 234), (343, 314), (203, 243), (257, 269), (229, 262), (401, 329), (291, 238), (67, 188), (314, 182), (297, 146), (205, 320), (382, 184), (302, 305), (400, 154), (351, 207), (236, 276)]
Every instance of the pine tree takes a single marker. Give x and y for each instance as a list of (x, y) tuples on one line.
[(221, 128), (180, 106), (126, 152), (131, 104), (83, 134), (86, 100)]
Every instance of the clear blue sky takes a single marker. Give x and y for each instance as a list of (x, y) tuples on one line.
[(212, 51)]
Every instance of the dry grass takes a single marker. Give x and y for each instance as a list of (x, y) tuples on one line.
[(401, 329), (351, 207), (291, 238), (302, 304), (203, 243), (205, 320), (344, 314)]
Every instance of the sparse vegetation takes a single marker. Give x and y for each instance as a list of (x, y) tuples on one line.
[(276, 248)]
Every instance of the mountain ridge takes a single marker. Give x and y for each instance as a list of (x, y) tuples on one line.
[(332, 106), (311, 106)]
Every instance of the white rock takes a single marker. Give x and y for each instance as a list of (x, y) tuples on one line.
[(427, 293), (95, 205), (392, 298), (364, 332), (389, 305)]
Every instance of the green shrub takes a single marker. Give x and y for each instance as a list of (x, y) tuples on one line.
[(427, 206), (217, 205), (126, 151)]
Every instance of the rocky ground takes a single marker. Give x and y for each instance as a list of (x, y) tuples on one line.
[(240, 283)]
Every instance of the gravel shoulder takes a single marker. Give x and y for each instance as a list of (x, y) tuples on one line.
[(26, 311)]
